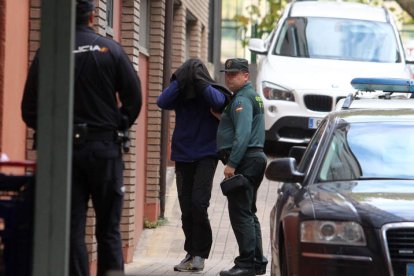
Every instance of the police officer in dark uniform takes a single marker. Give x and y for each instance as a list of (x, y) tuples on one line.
[(240, 141), (103, 73)]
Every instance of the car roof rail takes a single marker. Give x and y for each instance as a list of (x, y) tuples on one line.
[(348, 100), (387, 14), (384, 84)]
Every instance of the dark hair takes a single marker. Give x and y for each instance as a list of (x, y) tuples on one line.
[(83, 19)]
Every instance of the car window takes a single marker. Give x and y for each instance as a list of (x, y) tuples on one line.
[(340, 162), (368, 150), (312, 146), (269, 39), (342, 39)]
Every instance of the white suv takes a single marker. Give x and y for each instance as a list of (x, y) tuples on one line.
[(311, 57)]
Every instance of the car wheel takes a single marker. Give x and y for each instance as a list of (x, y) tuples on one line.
[(283, 260)]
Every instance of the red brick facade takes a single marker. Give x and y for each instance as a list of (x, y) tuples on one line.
[(189, 39)]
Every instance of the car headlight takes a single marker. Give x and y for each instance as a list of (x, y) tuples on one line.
[(332, 232), (272, 91)]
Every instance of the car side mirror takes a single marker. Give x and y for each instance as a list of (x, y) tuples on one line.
[(257, 45), (297, 153), (284, 170)]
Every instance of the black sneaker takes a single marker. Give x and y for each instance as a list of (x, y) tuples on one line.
[(184, 264), (190, 264), (197, 264)]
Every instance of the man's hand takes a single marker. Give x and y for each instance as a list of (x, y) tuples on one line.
[(215, 114), (228, 171)]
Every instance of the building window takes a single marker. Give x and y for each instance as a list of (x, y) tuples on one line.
[(110, 17), (144, 24), (231, 35)]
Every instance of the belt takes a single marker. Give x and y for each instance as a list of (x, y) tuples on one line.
[(82, 133), (254, 149), (248, 150), (224, 154), (109, 135)]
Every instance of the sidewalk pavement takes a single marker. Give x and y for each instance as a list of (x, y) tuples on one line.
[(161, 248)]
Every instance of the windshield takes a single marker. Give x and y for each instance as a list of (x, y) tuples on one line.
[(341, 39), (369, 151)]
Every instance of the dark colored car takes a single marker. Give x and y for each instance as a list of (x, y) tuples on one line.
[(347, 208)]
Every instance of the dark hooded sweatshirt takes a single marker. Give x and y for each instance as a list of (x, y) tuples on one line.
[(191, 94)]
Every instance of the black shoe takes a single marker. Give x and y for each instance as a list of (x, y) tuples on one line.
[(260, 265), (260, 270), (238, 271)]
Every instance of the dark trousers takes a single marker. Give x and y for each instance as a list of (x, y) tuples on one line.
[(194, 184), (97, 173), (242, 212)]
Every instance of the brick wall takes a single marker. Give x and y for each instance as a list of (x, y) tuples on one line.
[(156, 63), (100, 17), (195, 39), (198, 31), (200, 9), (129, 40), (179, 37), (34, 43)]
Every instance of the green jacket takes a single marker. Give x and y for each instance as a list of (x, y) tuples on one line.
[(241, 124)]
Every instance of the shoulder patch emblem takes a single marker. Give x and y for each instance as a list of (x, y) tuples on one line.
[(239, 107)]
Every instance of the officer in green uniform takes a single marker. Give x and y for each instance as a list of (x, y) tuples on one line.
[(240, 141)]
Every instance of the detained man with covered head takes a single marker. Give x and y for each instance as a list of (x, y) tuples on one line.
[(196, 100)]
